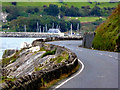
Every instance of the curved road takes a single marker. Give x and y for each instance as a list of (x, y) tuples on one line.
[(101, 67)]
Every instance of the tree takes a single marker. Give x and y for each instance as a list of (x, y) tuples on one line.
[(74, 12), (63, 26), (52, 10), (36, 10), (96, 11), (14, 3), (75, 23), (13, 12), (30, 10), (63, 9)]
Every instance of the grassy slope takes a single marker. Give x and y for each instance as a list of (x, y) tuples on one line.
[(107, 33), (85, 19), (69, 4)]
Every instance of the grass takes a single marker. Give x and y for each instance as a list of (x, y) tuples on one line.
[(69, 4), (107, 33), (3, 78), (85, 19), (62, 57), (42, 49), (49, 53), (38, 68), (5, 30), (8, 60)]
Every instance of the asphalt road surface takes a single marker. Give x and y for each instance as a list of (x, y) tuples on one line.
[(101, 67)]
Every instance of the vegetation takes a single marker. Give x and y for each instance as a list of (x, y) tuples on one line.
[(90, 26), (31, 23), (38, 68), (63, 76), (69, 4), (49, 53), (8, 60), (52, 10), (29, 13), (42, 49), (4, 78), (62, 57), (107, 34), (85, 19)]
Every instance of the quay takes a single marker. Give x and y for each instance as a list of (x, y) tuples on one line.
[(47, 36)]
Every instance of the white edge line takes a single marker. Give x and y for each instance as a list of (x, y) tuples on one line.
[(72, 76)]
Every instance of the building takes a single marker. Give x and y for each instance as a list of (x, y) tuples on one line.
[(53, 30)]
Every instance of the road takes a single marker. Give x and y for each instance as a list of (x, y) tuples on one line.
[(101, 67)]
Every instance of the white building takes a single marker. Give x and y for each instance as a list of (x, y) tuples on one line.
[(55, 31)]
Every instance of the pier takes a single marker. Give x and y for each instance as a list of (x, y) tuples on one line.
[(30, 34), (47, 36)]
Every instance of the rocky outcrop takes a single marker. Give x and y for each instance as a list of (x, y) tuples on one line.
[(31, 71), (8, 53)]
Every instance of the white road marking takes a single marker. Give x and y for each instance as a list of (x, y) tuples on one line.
[(72, 76)]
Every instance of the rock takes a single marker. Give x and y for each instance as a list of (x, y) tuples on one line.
[(38, 42), (25, 45), (35, 49), (23, 69), (8, 53)]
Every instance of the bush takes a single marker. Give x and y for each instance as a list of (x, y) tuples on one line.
[(14, 3)]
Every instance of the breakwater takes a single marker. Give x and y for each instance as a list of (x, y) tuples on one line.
[(48, 36), (30, 34), (39, 78)]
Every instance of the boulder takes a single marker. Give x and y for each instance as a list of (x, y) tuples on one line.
[(8, 53)]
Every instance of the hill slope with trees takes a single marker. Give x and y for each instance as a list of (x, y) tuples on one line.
[(108, 33)]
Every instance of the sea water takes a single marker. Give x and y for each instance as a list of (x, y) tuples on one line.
[(13, 43)]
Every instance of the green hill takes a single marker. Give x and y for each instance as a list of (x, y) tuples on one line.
[(69, 4), (108, 33)]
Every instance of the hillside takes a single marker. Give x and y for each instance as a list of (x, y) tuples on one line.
[(108, 33), (69, 4)]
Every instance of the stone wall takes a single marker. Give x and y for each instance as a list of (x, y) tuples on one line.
[(48, 36), (87, 40), (39, 78), (30, 34), (59, 39)]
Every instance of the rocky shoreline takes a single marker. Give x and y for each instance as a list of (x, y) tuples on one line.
[(31, 67)]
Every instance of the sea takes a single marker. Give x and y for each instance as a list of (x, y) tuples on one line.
[(13, 43)]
